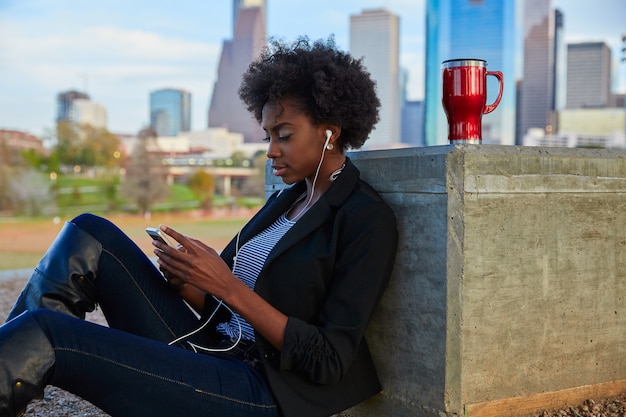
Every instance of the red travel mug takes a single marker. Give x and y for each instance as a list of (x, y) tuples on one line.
[(465, 96)]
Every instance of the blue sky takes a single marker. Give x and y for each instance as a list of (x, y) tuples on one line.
[(120, 50)]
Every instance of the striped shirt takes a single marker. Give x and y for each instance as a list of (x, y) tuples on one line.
[(250, 259)]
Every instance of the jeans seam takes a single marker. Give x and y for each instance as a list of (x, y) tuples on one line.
[(146, 298), (156, 376)]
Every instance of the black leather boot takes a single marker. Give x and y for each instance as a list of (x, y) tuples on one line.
[(64, 280), (26, 362)]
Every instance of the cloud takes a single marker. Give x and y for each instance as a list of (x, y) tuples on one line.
[(117, 66), (145, 46), (105, 51)]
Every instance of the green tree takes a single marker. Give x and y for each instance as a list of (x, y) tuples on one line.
[(99, 147), (67, 143), (238, 158), (203, 186), (145, 182), (53, 163), (33, 158), (85, 145), (109, 189), (6, 200), (10, 166), (22, 188)]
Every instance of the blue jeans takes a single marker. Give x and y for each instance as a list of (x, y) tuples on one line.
[(128, 368)]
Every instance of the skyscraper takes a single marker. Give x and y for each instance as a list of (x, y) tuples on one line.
[(64, 103), (170, 111), (588, 75), (240, 4), (249, 39), (541, 86), (413, 123), (87, 112), (482, 29), (375, 36), (560, 62)]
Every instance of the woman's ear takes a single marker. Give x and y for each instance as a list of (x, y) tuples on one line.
[(334, 130), (332, 135)]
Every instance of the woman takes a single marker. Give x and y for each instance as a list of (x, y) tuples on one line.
[(283, 308)]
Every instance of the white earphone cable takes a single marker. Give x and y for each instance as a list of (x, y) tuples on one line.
[(317, 172), (206, 322), (220, 303)]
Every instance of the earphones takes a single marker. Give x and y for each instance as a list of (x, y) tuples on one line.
[(195, 347), (328, 145), (206, 323)]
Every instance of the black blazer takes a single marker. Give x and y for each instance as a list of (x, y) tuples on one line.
[(326, 274)]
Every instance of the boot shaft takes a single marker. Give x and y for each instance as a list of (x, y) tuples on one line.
[(64, 279), (26, 363)]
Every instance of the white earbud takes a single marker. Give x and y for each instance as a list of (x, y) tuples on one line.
[(327, 145)]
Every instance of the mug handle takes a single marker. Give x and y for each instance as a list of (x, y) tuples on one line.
[(491, 107)]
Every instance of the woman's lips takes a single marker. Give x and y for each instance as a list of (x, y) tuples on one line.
[(278, 170)]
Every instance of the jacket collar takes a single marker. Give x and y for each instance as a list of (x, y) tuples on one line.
[(317, 215)]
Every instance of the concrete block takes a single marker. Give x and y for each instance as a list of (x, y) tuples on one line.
[(508, 289)]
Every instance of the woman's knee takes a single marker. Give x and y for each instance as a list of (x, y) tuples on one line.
[(88, 220), (46, 319), (98, 227)]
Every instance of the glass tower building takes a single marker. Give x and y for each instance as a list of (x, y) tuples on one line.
[(482, 29), (170, 111), (64, 103), (375, 37)]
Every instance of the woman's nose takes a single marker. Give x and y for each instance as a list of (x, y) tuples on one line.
[(272, 150)]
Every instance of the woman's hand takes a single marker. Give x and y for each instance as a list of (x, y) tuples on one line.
[(194, 263), (199, 266), (175, 282)]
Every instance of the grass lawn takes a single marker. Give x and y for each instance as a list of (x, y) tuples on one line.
[(23, 242)]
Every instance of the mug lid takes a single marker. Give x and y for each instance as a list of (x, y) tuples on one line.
[(463, 62)]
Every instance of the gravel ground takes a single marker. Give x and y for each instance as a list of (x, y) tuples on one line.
[(59, 403)]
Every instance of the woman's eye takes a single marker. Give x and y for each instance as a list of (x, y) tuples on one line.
[(280, 138)]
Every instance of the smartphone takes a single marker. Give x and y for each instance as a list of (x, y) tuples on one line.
[(156, 234)]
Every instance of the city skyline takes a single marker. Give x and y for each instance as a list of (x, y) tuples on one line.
[(118, 56)]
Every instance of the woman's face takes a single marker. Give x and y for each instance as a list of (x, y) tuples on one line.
[(295, 144)]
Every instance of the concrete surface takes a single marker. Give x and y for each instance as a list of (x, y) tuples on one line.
[(510, 276)]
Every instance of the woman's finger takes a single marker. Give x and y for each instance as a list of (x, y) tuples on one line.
[(180, 238)]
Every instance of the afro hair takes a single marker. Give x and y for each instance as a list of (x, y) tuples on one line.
[(330, 85)]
